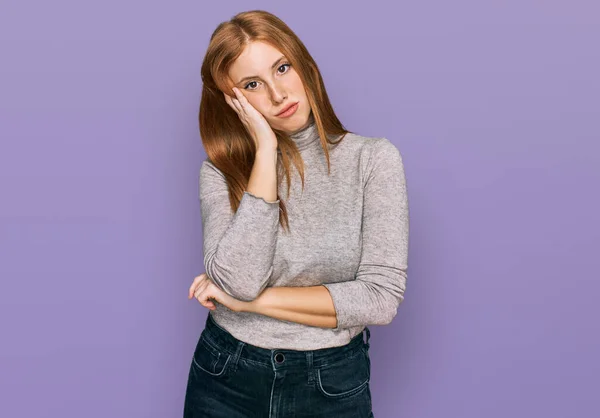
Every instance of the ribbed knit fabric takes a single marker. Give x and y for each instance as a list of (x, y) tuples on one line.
[(349, 232)]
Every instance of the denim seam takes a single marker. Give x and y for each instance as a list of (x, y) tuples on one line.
[(335, 395), (213, 373)]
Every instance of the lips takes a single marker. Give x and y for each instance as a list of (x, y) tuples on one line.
[(286, 109)]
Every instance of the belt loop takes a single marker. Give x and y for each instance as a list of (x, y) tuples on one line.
[(368, 336), (236, 356), (309, 364)]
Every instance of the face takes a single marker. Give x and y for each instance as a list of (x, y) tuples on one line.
[(271, 84)]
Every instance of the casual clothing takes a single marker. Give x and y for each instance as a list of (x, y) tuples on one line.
[(229, 378), (349, 232)]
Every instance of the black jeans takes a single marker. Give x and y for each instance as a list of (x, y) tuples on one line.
[(229, 378)]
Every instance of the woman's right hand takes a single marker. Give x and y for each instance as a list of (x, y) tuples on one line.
[(255, 123)]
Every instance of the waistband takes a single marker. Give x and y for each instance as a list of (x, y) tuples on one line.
[(223, 341)]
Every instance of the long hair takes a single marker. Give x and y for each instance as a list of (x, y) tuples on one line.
[(227, 143)]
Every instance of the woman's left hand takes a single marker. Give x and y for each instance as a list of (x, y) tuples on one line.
[(204, 290)]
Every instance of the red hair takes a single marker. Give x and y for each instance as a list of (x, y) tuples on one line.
[(228, 145)]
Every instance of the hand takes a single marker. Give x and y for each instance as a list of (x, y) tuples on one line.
[(204, 290), (254, 122)]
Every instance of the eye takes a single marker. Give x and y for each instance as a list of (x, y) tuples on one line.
[(254, 82), (284, 65), (246, 86)]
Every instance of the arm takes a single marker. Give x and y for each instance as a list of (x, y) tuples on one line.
[(373, 297), (239, 248), (310, 305)]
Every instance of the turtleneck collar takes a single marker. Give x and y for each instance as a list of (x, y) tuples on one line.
[(307, 135)]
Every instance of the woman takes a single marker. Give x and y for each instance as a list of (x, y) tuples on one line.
[(292, 279)]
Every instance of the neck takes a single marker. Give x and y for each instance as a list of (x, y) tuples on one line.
[(307, 135)]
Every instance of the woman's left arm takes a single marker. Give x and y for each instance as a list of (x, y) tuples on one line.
[(305, 305), (378, 287)]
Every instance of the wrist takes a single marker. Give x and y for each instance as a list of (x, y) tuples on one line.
[(248, 307), (267, 153), (255, 305)]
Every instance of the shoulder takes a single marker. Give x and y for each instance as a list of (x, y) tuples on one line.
[(387, 152), (382, 160), (209, 170), (370, 145), (210, 178), (373, 156), (374, 151)]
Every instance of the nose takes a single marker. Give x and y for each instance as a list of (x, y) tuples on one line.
[(278, 95)]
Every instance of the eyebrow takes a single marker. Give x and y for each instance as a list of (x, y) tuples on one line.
[(255, 76)]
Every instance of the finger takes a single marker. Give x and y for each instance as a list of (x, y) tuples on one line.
[(238, 106), (207, 303), (200, 288), (240, 96), (203, 292), (204, 299), (241, 99), (234, 104), (246, 107), (193, 286), (195, 283), (208, 297)]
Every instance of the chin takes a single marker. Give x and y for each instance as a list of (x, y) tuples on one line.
[(292, 124), (298, 124)]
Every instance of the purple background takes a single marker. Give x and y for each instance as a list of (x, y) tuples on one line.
[(494, 106)]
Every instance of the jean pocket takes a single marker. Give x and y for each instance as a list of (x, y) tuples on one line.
[(345, 378), (209, 359)]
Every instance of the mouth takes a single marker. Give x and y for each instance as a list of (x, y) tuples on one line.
[(287, 108)]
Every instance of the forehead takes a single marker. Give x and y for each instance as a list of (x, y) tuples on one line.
[(256, 59)]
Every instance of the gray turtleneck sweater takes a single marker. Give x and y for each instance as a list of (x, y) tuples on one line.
[(349, 232)]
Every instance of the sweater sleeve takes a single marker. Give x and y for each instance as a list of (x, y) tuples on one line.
[(238, 248), (378, 287)]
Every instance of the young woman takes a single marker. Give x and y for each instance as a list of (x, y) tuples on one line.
[(295, 271)]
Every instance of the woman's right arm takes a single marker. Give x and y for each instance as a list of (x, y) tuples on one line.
[(263, 178), (239, 248)]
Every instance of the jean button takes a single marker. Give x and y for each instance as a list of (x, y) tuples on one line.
[(279, 358)]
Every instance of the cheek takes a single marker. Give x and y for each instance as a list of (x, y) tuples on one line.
[(260, 103), (297, 86)]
